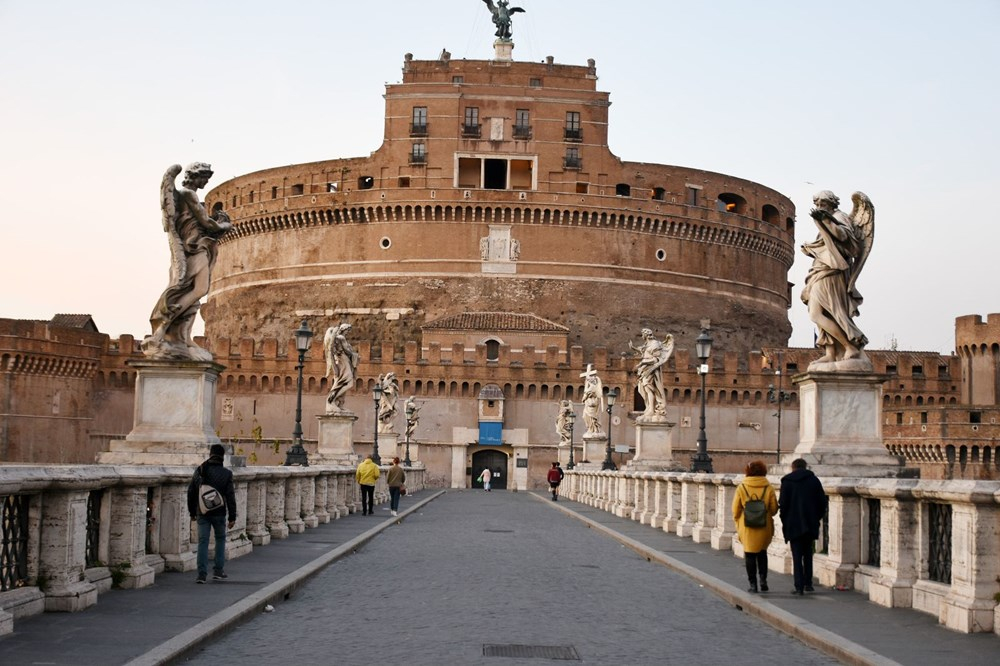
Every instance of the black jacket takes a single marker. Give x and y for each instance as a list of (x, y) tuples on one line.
[(213, 473), (802, 505)]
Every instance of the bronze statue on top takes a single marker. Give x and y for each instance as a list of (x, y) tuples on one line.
[(501, 17), (193, 236), (839, 253)]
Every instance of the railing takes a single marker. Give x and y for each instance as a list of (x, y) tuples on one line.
[(572, 134), (943, 534), (131, 523), (572, 163), (522, 131), (418, 159), (418, 130), (471, 131)]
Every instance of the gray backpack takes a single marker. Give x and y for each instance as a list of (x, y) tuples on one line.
[(755, 510)]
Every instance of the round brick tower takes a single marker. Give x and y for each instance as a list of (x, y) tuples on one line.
[(495, 190)]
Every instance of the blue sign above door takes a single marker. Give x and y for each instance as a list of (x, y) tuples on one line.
[(490, 434)]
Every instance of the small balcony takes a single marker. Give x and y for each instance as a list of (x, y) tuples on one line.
[(522, 132), (572, 163), (418, 130), (418, 159), (574, 134), (472, 131)]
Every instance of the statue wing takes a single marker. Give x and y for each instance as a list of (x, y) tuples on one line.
[(863, 218), (168, 206), (489, 3), (668, 348), (329, 339), (514, 10)]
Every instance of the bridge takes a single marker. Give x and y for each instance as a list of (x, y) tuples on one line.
[(459, 576)]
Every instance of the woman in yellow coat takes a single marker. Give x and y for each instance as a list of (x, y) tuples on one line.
[(755, 540)]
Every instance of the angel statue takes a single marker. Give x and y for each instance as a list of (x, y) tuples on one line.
[(412, 411), (501, 17), (653, 356), (387, 403), (193, 236), (839, 253), (562, 422), (341, 366), (593, 401)]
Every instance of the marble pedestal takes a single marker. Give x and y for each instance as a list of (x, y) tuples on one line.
[(654, 452), (174, 415), (388, 447), (503, 50), (336, 439), (840, 427), (595, 447)]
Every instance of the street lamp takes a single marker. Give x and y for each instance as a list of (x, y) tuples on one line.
[(297, 455), (377, 392), (410, 410), (778, 396), (608, 462), (700, 462), (570, 418)]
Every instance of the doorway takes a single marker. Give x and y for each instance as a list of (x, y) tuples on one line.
[(496, 461)]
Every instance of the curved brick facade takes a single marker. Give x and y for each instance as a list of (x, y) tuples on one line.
[(495, 190)]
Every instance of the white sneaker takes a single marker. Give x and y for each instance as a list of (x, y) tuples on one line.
[(394, 513)]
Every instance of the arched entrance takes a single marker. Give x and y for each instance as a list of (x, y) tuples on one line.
[(496, 461)]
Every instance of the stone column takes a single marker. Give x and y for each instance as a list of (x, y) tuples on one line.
[(702, 531), (659, 499), (238, 542), (257, 512), (62, 557), (837, 567), (897, 568), (175, 547), (127, 538), (673, 502), (320, 505), (688, 519), (724, 531), (276, 525), (293, 504), (975, 542), (307, 487)]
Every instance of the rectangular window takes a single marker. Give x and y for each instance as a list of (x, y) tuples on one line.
[(923, 417), (471, 125), (418, 153), (297, 190), (572, 158), (418, 123), (522, 124), (404, 181), (899, 418), (535, 83), (573, 131), (582, 188), (692, 196), (975, 417), (918, 371), (274, 192), (458, 79)]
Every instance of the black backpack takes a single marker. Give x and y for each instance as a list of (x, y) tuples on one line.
[(755, 509)]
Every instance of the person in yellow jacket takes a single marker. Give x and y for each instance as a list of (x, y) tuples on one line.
[(367, 475), (755, 538)]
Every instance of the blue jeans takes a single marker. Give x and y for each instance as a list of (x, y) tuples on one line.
[(394, 498), (207, 524)]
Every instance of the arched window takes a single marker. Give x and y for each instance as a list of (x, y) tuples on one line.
[(732, 203), (492, 350)]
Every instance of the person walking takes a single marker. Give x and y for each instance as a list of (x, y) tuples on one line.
[(754, 506), (555, 477), (486, 476), (802, 505), (366, 475), (210, 510), (395, 478)]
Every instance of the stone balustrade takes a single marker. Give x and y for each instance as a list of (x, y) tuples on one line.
[(907, 543), (70, 532)]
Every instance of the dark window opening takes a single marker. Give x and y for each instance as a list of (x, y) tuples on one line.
[(572, 158), (573, 130), (692, 196), (582, 188), (899, 418), (418, 153), (890, 369), (298, 189), (332, 187), (470, 127), (770, 215), (659, 194), (535, 83), (918, 371), (458, 79), (732, 203), (975, 417), (366, 183), (418, 125), (251, 196), (522, 124), (623, 190), (404, 181), (492, 352), (274, 192), (943, 371), (923, 417), (495, 174)]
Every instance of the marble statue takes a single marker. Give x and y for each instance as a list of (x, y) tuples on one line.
[(412, 411), (562, 422), (653, 355), (839, 253), (193, 236), (501, 17), (387, 404), (341, 366), (593, 401)]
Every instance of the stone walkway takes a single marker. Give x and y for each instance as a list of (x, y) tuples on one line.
[(468, 577)]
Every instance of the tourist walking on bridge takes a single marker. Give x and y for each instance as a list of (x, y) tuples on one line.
[(754, 506), (210, 510), (555, 477), (367, 474), (395, 478), (802, 505)]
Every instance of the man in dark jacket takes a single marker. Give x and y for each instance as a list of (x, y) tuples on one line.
[(212, 473), (802, 505)]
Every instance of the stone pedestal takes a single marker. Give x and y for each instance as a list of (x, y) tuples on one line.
[(336, 439), (174, 416), (503, 50), (388, 446), (654, 447), (840, 427), (595, 447)]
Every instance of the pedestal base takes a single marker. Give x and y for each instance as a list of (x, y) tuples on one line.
[(654, 448), (595, 448), (336, 439), (503, 49)]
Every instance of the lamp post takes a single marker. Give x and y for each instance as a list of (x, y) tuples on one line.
[(297, 455), (377, 392), (608, 462), (778, 396), (700, 462), (409, 424), (570, 419)]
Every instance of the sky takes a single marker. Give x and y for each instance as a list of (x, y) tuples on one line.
[(899, 99)]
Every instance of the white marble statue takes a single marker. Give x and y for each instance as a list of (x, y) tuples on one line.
[(193, 236), (387, 404), (341, 366), (839, 253), (593, 401), (653, 355), (562, 422), (412, 411)]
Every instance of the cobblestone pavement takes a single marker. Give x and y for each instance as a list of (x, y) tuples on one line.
[(473, 569)]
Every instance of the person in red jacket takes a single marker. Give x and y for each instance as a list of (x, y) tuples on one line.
[(555, 478)]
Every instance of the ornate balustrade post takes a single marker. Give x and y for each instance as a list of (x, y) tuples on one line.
[(894, 574), (838, 565), (293, 504), (688, 518), (257, 511), (322, 487), (658, 493), (127, 535), (643, 498), (672, 516), (624, 499), (173, 526), (706, 496), (307, 488), (61, 559), (724, 531), (276, 525)]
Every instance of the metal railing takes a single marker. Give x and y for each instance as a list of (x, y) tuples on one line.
[(14, 542)]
